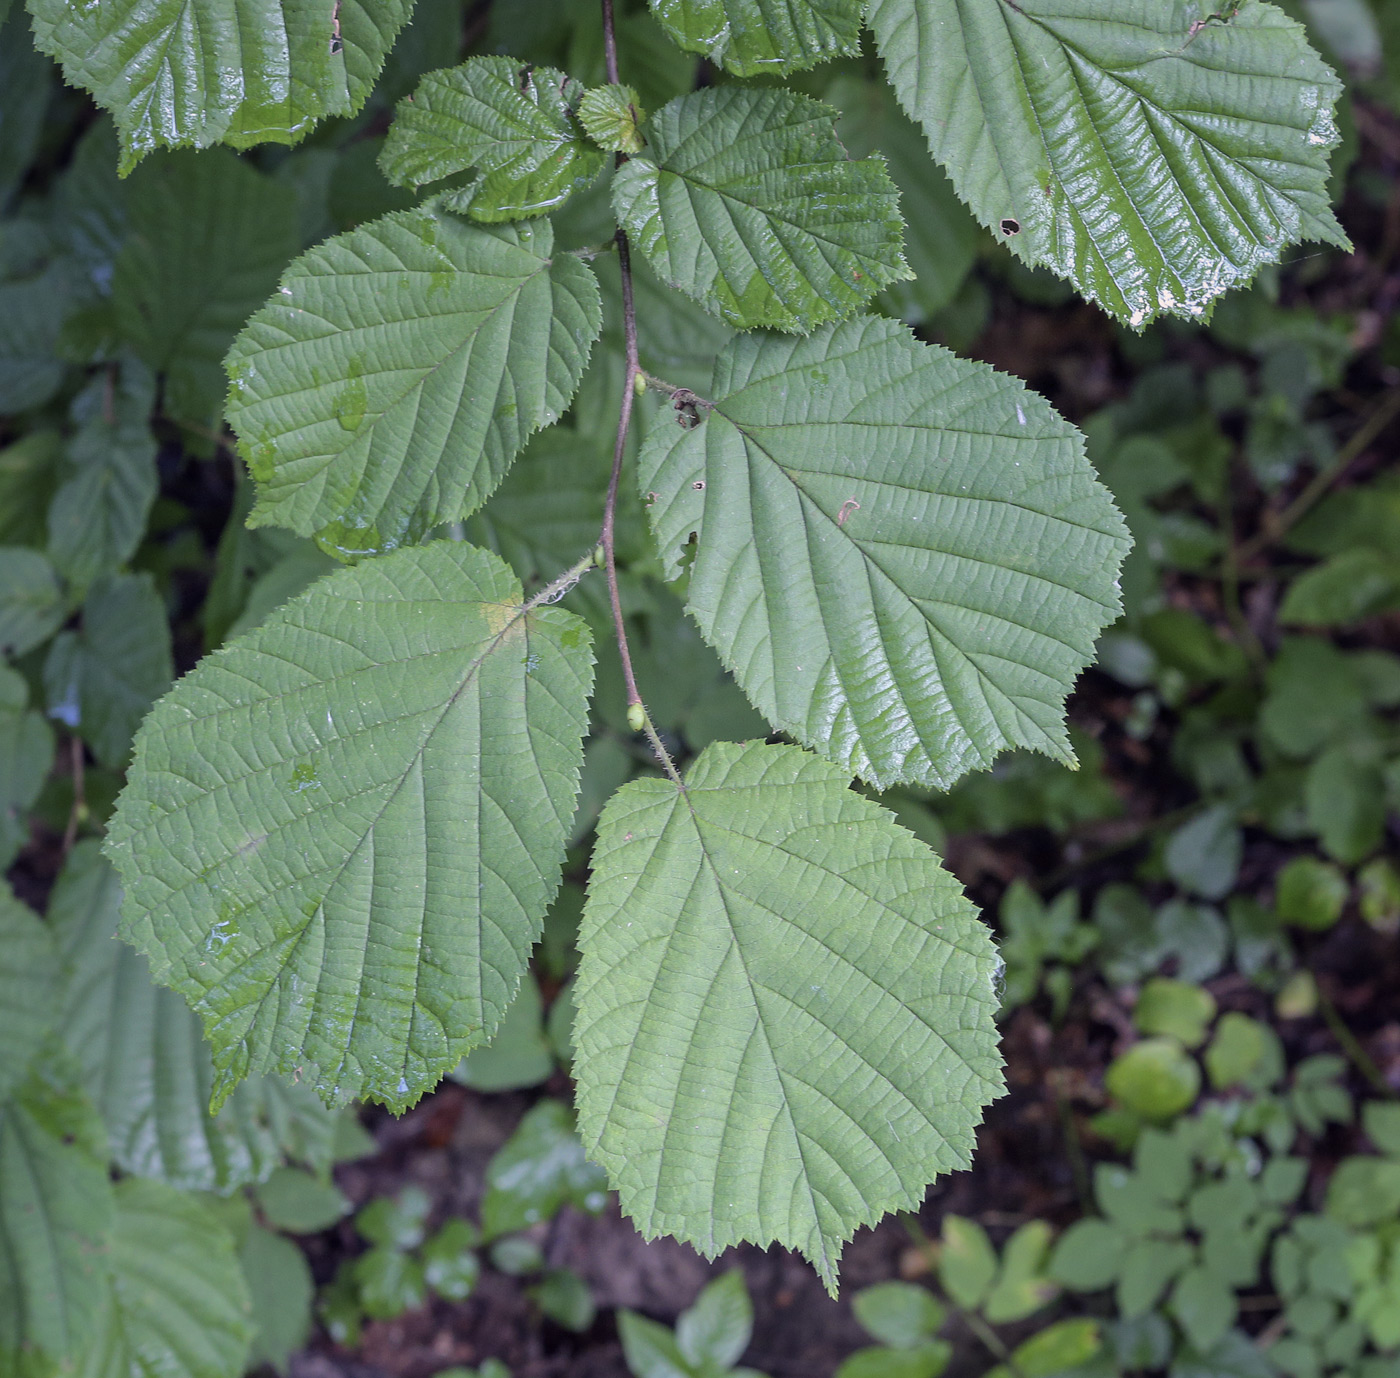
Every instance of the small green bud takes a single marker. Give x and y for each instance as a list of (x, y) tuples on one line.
[(636, 717), (600, 556), (639, 383)]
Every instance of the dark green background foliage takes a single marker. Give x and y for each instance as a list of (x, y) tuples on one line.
[(323, 329)]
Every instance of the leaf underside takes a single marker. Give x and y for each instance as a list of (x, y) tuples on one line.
[(515, 124), (763, 37), (1154, 152), (389, 382), (903, 556), (198, 72), (745, 200), (340, 833), (785, 1007)]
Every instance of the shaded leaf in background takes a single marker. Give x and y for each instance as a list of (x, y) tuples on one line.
[(98, 515), (101, 681), (208, 235), (26, 756), (519, 1055), (28, 984), (753, 38), (1156, 155), (514, 123), (797, 984), (32, 607), (143, 1057), (26, 81), (197, 72), (540, 1168), (38, 286), (55, 1213), (176, 1303), (340, 834), (746, 201), (903, 556), (281, 1290), (389, 383)]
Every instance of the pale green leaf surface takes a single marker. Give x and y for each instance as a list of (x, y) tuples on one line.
[(745, 200), (31, 600), (98, 515), (903, 556), (515, 124), (101, 681), (177, 1305), (208, 236), (143, 1058), (26, 755), (387, 386), (763, 37), (610, 115), (341, 832), (55, 1212), (1154, 152), (197, 72), (785, 1007), (28, 982)]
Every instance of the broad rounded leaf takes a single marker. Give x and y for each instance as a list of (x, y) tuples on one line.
[(763, 37), (903, 556), (746, 201), (177, 1304), (386, 387), (55, 1213), (31, 600), (1154, 152), (28, 982), (341, 832), (785, 1007), (515, 124), (197, 72), (26, 757)]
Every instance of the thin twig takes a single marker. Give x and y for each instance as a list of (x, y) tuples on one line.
[(1325, 477)]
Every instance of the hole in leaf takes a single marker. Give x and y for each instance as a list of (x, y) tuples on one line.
[(1010, 226)]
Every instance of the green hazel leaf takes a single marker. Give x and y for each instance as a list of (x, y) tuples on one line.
[(746, 201), (340, 833), (31, 600), (1154, 152), (388, 384), (101, 681), (142, 1055), (177, 1303), (26, 757), (515, 124), (903, 556), (763, 37), (198, 72), (785, 1007), (55, 1215), (208, 236), (28, 981), (610, 116), (98, 515)]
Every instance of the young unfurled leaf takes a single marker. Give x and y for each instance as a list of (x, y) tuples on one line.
[(785, 1006), (745, 200), (903, 556), (341, 832), (763, 37), (1154, 154), (387, 386), (177, 1303), (515, 124), (610, 115), (197, 72)]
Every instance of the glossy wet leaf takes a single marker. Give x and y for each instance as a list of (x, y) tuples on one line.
[(785, 1007), (143, 1058), (903, 556), (540, 1169), (340, 834), (55, 1214), (101, 680), (1155, 153), (763, 37), (515, 124), (745, 200), (197, 72), (389, 383), (26, 756), (177, 1304)]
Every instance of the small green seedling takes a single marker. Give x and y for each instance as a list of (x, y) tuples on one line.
[(708, 1340)]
